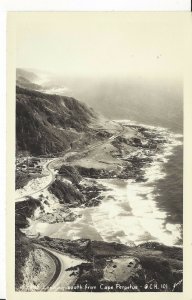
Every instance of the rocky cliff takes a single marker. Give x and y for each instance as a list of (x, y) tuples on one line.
[(48, 123)]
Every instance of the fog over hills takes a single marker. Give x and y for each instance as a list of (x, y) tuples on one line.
[(155, 102)]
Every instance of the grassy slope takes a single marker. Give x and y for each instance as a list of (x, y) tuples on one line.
[(48, 123)]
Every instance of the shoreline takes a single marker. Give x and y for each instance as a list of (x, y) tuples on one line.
[(121, 158), (147, 174)]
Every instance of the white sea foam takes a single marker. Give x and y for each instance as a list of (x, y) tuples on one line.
[(128, 212), (133, 216), (144, 221)]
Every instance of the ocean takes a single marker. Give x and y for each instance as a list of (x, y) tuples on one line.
[(151, 102), (158, 104), (136, 212), (148, 211), (133, 212)]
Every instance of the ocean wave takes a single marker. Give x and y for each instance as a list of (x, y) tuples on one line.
[(129, 212), (144, 221)]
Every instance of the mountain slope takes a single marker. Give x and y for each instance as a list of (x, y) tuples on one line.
[(48, 123)]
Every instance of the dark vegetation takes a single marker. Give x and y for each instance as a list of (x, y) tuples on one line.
[(93, 172), (66, 193), (23, 246), (129, 171), (92, 193), (25, 209), (70, 173), (21, 179), (84, 248), (76, 194), (160, 264), (44, 123)]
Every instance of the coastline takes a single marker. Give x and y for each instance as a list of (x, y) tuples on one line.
[(153, 147)]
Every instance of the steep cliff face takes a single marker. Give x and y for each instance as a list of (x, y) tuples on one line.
[(48, 123)]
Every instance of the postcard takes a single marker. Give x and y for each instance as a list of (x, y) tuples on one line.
[(98, 147)]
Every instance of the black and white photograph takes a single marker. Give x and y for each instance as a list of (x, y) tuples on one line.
[(98, 152)]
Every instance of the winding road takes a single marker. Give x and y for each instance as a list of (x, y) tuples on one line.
[(50, 172), (61, 277), (58, 267)]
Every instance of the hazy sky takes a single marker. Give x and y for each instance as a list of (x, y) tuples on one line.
[(100, 44)]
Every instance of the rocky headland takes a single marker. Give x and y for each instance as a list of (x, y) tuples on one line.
[(81, 150), (109, 266)]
